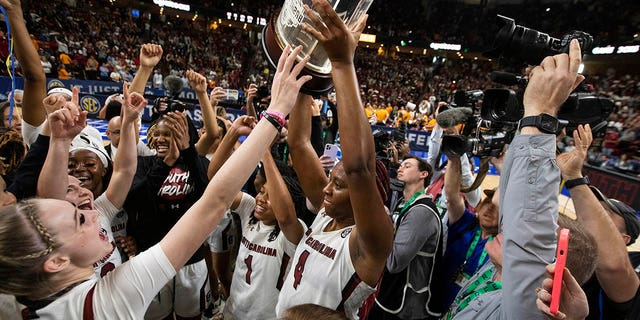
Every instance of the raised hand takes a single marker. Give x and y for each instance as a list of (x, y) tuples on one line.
[(150, 55), (54, 102), (177, 121), (252, 92), (128, 245), (217, 95), (67, 122), (286, 85), (552, 81), (337, 40), (197, 81), (243, 125), (570, 163), (573, 301), (134, 103), (10, 4)]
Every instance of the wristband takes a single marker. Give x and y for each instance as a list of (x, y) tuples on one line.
[(279, 116), (275, 122), (577, 182)]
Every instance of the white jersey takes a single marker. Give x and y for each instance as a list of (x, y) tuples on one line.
[(124, 293), (263, 262), (323, 272), (222, 238), (107, 212)]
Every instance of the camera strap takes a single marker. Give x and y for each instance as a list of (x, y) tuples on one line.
[(482, 173)]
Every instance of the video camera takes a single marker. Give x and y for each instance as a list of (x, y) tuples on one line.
[(164, 105), (494, 123), (484, 133)]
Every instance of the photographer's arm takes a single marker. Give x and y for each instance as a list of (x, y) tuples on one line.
[(614, 271), (435, 139), (528, 189), (452, 179), (474, 196)]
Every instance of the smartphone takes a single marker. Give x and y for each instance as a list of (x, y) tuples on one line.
[(333, 151), (561, 260)]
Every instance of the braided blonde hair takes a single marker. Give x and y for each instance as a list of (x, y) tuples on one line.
[(25, 245)]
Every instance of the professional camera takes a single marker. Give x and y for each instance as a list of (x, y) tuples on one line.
[(164, 105), (524, 45)]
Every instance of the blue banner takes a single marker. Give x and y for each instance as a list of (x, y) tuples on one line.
[(418, 140)]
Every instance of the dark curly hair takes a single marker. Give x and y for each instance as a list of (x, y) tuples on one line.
[(297, 196)]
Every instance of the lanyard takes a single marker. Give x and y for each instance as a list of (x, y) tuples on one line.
[(407, 204), (472, 248), (473, 291)]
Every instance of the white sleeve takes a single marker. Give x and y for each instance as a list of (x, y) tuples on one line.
[(125, 293), (144, 151), (30, 133), (474, 196), (246, 206), (105, 207)]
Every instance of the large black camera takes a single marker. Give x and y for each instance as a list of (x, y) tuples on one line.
[(164, 105), (524, 45), (486, 130)]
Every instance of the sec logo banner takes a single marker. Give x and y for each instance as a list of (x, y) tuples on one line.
[(90, 104)]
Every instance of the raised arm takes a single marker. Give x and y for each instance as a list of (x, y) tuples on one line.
[(281, 201), (252, 92), (528, 188), (124, 163), (35, 81), (150, 55), (372, 239), (65, 123), (199, 84), (613, 269), (303, 156), (240, 127), (452, 181), (197, 223)]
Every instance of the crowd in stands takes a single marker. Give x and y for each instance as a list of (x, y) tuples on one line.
[(196, 224), (232, 58)]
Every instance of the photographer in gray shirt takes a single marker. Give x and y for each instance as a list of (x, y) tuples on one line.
[(529, 182)]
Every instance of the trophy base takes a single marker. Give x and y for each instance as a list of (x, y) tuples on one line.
[(320, 84)]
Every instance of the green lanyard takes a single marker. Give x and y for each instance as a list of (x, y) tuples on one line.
[(471, 293), (407, 204), (472, 248)]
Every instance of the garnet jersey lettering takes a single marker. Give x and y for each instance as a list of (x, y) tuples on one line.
[(107, 212), (259, 270), (323, 272)]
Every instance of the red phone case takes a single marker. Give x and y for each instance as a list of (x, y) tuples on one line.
[(561, 260)]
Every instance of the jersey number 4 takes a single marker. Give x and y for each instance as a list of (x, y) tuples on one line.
[(297, 273), (247, 262)]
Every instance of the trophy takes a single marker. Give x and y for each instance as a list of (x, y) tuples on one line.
[(285, 28)]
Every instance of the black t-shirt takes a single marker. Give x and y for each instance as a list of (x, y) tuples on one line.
[(601, 307)]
